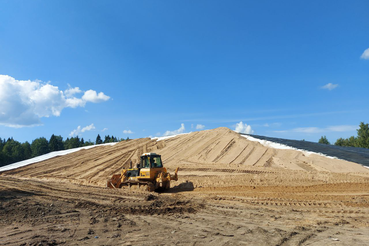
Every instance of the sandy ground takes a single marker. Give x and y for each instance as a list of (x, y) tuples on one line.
[(230, 192)]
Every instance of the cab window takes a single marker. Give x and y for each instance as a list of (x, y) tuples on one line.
[(156, 162), (146, 162)]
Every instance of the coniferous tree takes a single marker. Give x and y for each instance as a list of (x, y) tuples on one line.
[(66, 144), (352, 142), (74, 142), (88, 143), (363, 136), (340, 142), (107, 139), (2, 144), (56, 143), (60, 142), (362, 139), (2, 159), (53, 144), (18, 152), (323, 140), (40, 146), (98, 139), (27, 150)]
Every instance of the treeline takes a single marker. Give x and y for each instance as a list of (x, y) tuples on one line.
[(13, 151), (361, 140)]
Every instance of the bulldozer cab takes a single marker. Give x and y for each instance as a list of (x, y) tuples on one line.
[(151, 160)]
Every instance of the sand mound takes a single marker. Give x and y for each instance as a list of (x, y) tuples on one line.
[(218, 148), (223, 147)]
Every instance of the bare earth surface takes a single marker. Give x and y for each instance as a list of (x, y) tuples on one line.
[(231, 191)]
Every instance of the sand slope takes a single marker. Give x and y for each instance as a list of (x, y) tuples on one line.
[(218, 148), (231, 191)]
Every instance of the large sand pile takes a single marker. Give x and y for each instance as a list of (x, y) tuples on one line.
[(230, 191), (218, 148)]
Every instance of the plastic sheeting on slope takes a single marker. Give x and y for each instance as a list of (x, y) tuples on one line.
[(274, 145), (167, 137), (352, 154), (47, 156)]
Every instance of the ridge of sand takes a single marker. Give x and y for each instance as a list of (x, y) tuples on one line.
[(218, 148)]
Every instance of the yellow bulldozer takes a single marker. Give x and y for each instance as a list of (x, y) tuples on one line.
[(149, 173)]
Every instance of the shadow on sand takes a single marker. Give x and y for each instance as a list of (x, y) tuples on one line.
[(185, 186)]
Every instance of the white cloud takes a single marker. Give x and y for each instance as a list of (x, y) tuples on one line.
[(309, 130), (79, 130), (330, 86), (276, 124), (105, 129), (25, 102), (88, 128), (342, 128), (200, 127), (92, 96), (175, 132), (128, 132), (365, 55), (243, 128), (71, 91)]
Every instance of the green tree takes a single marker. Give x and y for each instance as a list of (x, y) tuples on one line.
[(27, 150), (363, 136), (362, 139), (340, 142), (107, 139), (2, 143), (12, 151), (323, 140), (98, 139), (40, 146), (56, 143), (74, 142), (2, 159), (352, 142), (88, 143), (66, 144)]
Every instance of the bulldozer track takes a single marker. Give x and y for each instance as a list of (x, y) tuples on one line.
[(323, 208), (51, 190), (230, 170)]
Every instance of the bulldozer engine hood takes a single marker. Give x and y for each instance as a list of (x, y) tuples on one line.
[(133, 173)]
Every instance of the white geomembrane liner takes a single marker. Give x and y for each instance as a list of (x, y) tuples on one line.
[(47, 156), (282, 146), (167, 137), (64, 152)]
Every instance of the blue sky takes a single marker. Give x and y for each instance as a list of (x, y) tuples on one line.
[(290, 69)]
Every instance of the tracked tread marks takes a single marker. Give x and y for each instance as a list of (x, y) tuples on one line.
[(225, 150), (224, 170)]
